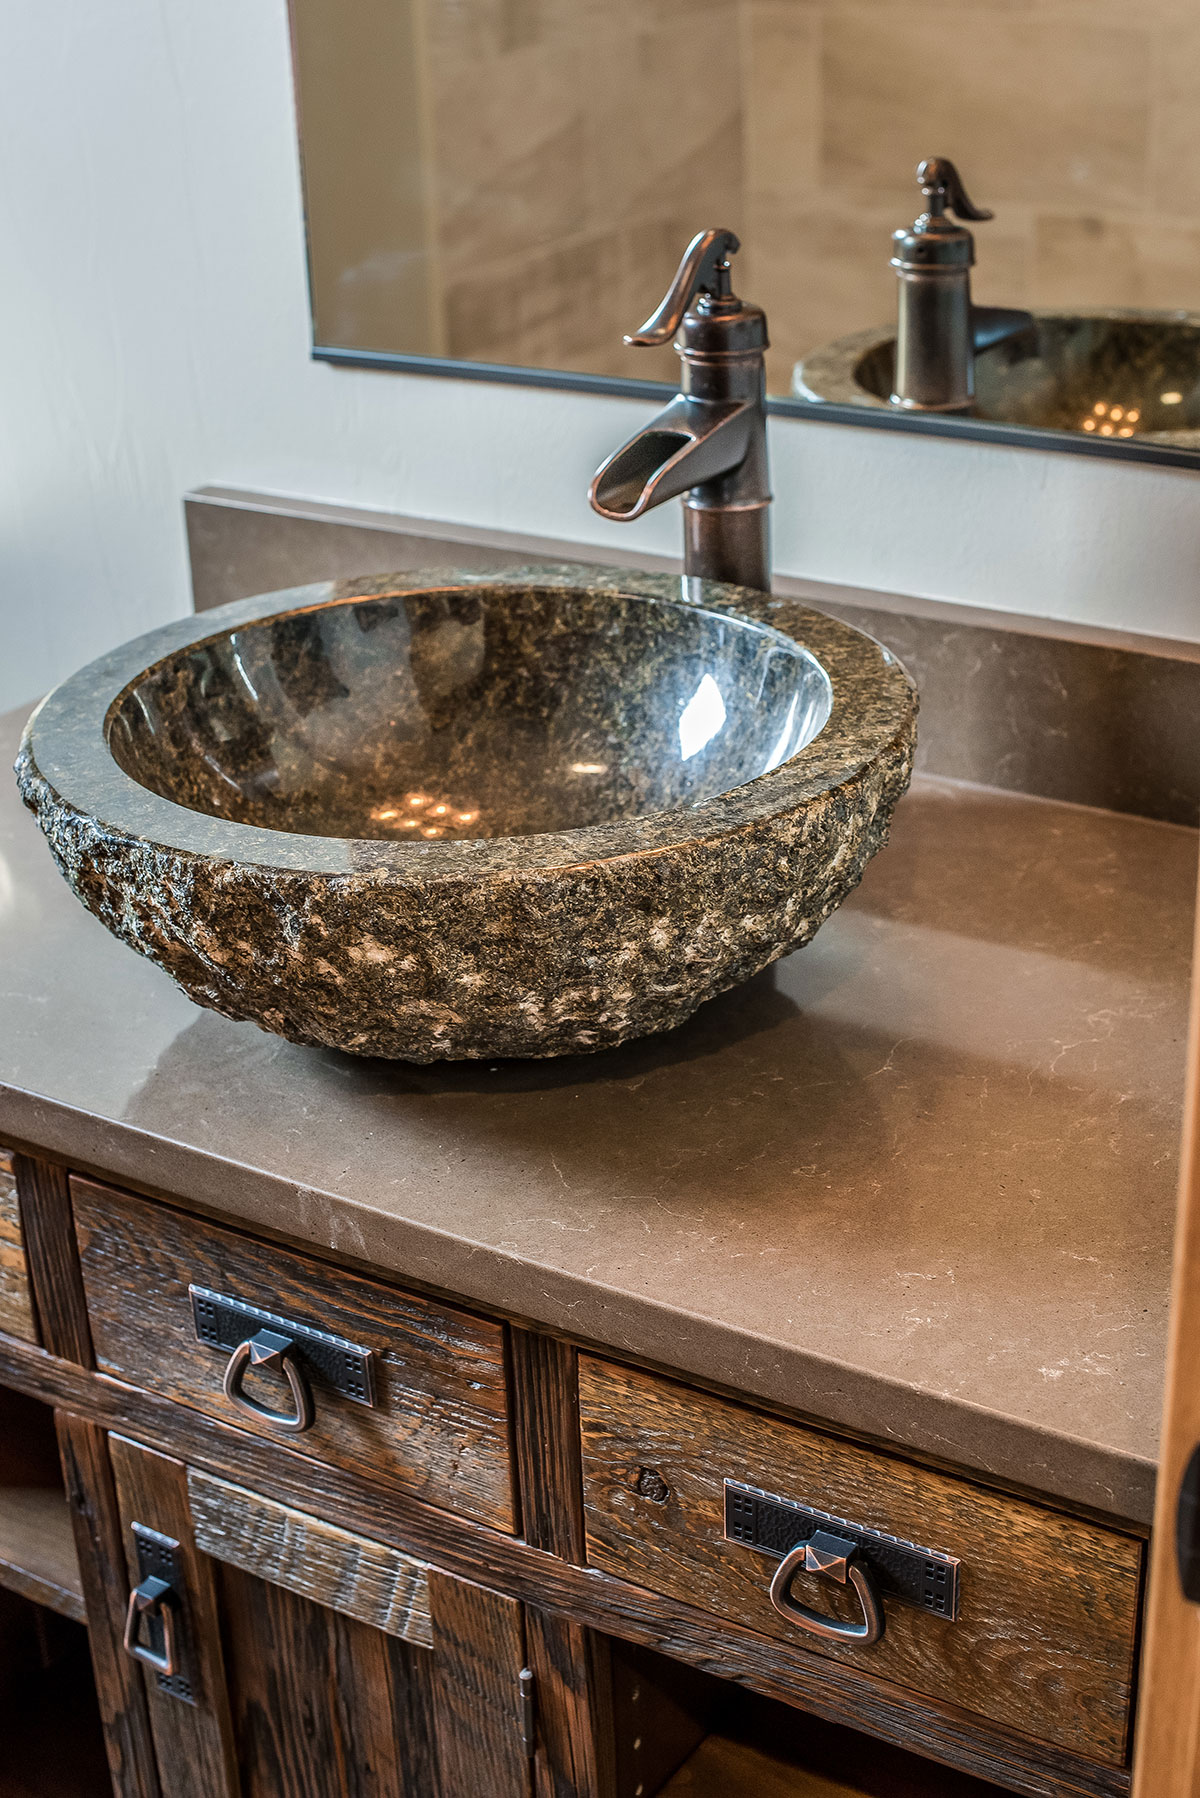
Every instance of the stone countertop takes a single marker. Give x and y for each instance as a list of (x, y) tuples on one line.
[(916, 1180)]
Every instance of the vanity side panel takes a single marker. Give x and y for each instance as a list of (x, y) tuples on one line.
[(1044, 1638)]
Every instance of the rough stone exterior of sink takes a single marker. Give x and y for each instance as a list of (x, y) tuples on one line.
[(522, 946)]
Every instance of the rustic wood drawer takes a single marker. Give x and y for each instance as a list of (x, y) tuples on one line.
[(16, 1297), (1043, 1639), (438, 1424)]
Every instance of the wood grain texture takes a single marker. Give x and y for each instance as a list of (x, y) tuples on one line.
[(92, 1499), (323, 1706), (1167, 1762), (194, 1742), (574, 1708), (937, 1728), (546, 1442), (440, 1425), (16, 1295), (479, 1646), (316, 1560), (1044, 1640), (60, 1309), (37, 1549)]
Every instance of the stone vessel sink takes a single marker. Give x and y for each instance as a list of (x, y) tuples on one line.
[(447, 815), (1105, 373)]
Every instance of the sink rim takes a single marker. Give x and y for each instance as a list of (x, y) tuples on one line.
[(66, 746), (828, 374)]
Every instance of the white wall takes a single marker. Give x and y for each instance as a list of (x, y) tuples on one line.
[(154, 337)]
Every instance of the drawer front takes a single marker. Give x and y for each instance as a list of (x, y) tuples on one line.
[(438, 1424), (1043, 1638), (16, 1298)]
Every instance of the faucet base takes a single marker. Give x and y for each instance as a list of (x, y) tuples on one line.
[(728, 543)]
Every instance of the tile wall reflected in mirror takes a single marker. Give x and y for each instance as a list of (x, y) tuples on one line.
[(512, 181)]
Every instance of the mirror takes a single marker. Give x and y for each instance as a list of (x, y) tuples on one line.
[(506, 186)]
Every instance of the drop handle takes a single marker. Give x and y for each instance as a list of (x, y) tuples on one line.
[(837, 1559), (270, 1349), (153, 1598)]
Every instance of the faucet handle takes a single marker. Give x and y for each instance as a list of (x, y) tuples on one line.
[(942, 186), (704, 269)]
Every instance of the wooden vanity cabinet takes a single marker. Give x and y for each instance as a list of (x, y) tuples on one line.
[(510, 1575)]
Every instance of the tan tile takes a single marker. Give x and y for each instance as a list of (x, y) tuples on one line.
[(1004, 251), (1032, 109), (570, 306), (509, 152), (1168, 264), (781, 98), (1084, 261), (542, 311), (819, 275), (1114, 262), (661, 129), (485, 28), (1175, 120)]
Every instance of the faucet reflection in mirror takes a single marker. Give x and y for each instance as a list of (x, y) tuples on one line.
[(939, 329), (709, 443)]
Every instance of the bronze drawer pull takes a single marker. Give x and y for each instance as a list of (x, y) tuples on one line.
[(153, 1598), (269, 1349), (228, 1324), (833, 1558)]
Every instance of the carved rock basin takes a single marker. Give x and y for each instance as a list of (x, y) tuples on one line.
[(447, 815)]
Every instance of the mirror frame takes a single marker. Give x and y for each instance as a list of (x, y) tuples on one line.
[(965, 430)]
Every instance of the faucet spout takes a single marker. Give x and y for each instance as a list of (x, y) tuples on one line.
[(690, 443), (708, 444), (995, 324)]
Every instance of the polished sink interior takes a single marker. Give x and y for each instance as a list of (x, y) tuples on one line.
[(1111, 373), (464, 714), (432, 816)]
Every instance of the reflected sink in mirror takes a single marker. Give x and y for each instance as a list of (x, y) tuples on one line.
[(432, 816), (1105, 373)]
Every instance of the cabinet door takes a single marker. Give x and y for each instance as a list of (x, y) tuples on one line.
[(306, 1661)]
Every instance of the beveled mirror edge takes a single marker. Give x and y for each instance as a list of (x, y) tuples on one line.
[(963, 430)]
